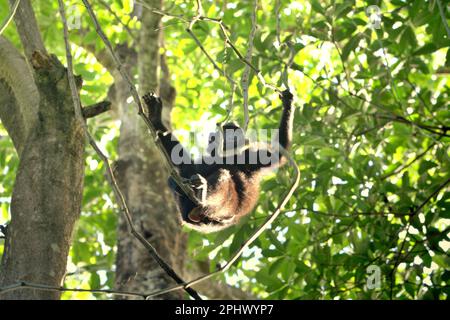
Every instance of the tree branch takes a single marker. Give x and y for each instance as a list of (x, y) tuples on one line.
[(401, 168), (443, 18), (28, 28), (117, 18), (38, 286), (20, 96), (214, 289), (248, 56), (96, 109)]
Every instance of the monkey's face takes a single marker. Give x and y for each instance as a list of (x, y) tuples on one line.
[(233, 137)]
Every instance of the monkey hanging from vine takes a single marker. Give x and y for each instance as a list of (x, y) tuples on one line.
[(227, 178)]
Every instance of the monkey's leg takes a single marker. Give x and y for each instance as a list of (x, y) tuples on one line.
[(213, 189), (217, 194)]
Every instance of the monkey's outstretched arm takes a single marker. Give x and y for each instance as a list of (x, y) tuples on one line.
[(267, 158), (177, 153), (287, 119)]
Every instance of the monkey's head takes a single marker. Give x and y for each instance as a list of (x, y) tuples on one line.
[(231, 137)]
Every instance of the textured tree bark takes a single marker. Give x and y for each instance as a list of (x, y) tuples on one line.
[(26, 25), (46, 199), (19, 96)]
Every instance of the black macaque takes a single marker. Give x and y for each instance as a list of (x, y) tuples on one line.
[(227, 185)]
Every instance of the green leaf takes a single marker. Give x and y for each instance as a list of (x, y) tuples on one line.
[(351, 45), (426, 49)]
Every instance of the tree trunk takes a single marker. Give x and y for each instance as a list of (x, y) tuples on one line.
[(46, 199)]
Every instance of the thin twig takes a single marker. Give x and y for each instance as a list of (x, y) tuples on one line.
[(278, 22), (200, 11), (397, 260), (70, 75), (38, 286), (341, 57), (222, 71), (227, 39), (162, 12), (442, 130), (431, 196), (388, 69), (177, 16), (422, 100), (366, 131), (401, 168), (119, 195), (287, 66), (248, 63), (189, 30), (246, 73), (9, 17), (199, 44), (418, 209), (292, 53), (443, 18), (118, 19)]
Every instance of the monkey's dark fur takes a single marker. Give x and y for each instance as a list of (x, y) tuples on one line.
[(231, 190)]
